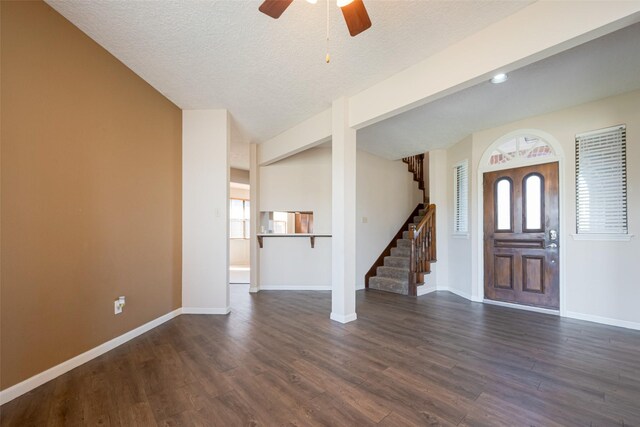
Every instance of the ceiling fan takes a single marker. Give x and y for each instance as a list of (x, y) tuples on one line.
[(354, 12)]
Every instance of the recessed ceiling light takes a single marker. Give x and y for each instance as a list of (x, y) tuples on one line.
[(499, 78)]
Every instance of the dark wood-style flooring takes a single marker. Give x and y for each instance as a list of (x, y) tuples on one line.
[(277, 359)]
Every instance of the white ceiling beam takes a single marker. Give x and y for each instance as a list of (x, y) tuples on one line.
[(310, 133), (531, 34)]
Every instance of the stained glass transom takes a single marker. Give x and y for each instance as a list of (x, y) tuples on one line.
[(521, 147)]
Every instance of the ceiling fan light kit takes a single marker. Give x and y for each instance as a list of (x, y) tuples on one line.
[(353, 11)]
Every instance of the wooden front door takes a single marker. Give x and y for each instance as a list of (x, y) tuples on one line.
[(521, 220)]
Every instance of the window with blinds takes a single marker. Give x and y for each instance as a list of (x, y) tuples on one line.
[(460, 198), (239, 217), (601, 181)]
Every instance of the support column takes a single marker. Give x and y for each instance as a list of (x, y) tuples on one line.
[(343, 214), (205, 207), (254, 196), (439, 176)]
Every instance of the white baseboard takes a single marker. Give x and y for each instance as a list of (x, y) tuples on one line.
[(458, 292), (205, 310), (603, 320), (37, 380), (426, 289), (295, 288), (343, 318)]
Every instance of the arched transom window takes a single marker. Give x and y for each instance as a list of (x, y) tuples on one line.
[(520, 147)]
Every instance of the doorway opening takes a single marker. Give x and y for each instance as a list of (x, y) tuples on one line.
[(239, 234)]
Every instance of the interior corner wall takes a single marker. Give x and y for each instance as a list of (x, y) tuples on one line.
[(91, 194), (301, 182), (601, 276), (386, 194), (205, 208), (460, 246)]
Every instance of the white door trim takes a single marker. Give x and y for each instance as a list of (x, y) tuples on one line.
[(484, 166)]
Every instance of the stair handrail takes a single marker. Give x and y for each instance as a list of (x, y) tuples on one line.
[(416, 167), (392, 244), (423, 247)]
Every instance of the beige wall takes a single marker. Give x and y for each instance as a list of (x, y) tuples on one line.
[(239, 176), (91, 194)]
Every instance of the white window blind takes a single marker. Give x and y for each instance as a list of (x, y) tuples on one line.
[(461, 197), (601, 181)]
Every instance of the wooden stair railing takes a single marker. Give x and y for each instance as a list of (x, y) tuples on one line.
[(416, 167), (423, 249), (392, 244), (422, 236)]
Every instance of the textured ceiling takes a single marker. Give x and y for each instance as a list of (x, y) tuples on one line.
[(270, 74), (606, 66)]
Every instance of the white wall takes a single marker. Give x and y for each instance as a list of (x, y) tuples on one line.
[(460, 252), (386, 195), (205, 206), (301, 182), (601, 277)]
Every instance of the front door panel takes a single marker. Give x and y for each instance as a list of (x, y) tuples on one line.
[(521, 220)]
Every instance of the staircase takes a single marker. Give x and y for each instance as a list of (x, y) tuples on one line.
[(403, 264), (393, 275)]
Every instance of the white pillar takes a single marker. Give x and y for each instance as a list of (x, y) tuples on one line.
[(205, 207), (343, 214), (440, 186), (254, 251)]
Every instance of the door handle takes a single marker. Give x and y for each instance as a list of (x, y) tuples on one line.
[(552, 245)]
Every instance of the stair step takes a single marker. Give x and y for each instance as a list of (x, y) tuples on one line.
[(403, 243), (396, 261), (389, 285), (405, 252), (405, 234), (422, 212), (417, 219), (393, 272)]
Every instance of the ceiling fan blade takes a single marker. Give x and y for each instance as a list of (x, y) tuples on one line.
[(356, 17), (274, 8)]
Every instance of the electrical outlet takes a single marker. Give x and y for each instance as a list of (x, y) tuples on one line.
[(365, 220), (118, 305)]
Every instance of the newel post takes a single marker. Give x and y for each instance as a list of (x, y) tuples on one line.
[(413, 291)]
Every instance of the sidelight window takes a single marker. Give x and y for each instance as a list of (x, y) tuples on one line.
[(461, 198)]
